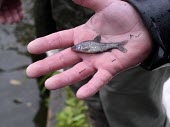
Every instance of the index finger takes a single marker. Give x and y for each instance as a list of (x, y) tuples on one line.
[(62, 39)]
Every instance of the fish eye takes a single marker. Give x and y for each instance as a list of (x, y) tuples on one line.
[(79, 47)]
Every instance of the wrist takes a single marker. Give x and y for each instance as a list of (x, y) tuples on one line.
[(157, 23)]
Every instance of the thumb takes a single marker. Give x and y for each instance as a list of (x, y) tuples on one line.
[(96, 5)]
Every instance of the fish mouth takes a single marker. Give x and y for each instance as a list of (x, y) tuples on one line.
[(73, 47), (76, 48)]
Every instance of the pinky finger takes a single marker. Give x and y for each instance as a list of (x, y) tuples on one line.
[(101, 78)]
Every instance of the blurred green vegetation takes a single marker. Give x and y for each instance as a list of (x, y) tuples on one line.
[(25, 33), (74, 113)]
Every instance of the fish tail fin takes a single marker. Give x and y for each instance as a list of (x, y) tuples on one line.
[(121, 46)]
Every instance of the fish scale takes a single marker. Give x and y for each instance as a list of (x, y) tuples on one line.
[(94, 46)]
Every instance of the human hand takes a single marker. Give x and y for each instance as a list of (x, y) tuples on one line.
[(115, 21), (10, 11)]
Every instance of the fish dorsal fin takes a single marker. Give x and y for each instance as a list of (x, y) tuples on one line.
[(97, 38)]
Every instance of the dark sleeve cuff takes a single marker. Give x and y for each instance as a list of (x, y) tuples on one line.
[(156, 17)]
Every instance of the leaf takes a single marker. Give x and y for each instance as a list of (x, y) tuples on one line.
[(74, 114), (81, 116)]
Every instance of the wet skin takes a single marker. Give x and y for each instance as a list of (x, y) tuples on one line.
[(112, 22)]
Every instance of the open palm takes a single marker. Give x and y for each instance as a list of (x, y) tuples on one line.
[(115, 21)]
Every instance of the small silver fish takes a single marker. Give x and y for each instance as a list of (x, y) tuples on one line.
[(94, 46)]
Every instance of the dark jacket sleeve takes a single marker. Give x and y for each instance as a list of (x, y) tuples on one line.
[(156, 16)]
